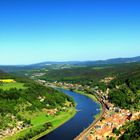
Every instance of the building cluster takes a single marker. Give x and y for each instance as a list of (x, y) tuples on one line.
[(37, 74), (114, 118), (107, 79), (111, 120), (51, 111), (20, 125), (62, 85)]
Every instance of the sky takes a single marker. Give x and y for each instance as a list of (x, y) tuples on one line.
[(67, 30)]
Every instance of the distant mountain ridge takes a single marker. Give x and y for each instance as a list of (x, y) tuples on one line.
[(72, 63), (98, 62)]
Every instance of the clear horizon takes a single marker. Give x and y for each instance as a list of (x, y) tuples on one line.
[(65, 61), (33, 31)]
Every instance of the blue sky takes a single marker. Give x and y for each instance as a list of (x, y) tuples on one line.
[(66, 30)]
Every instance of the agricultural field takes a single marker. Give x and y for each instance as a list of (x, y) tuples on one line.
[(7, 80), (7, 86)]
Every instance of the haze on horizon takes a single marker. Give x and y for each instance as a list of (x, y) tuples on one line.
[(33, 31)]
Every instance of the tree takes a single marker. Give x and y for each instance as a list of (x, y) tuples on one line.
[(116, 131)]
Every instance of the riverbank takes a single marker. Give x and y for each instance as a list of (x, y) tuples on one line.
[(89, 95), (58, 122), (97, 117), (93, 97), (41, 120)]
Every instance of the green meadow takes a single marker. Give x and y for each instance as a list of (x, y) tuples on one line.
[(40, 119), (7, 86)]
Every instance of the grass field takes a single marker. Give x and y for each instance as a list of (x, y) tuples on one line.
[(7, 86), (41, 119)]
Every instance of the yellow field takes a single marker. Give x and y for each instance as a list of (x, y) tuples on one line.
[(7, 80)]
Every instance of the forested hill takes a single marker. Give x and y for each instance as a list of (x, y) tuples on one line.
[(23, 101), (84, 75), (125, 89), (69, 64), (3, 74), (124, 86), (6, 75), (91, 63)]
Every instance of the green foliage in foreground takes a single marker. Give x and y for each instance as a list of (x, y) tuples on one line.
[(132, 131)]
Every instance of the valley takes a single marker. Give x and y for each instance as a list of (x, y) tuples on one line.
[(69, 69), (37, 110)]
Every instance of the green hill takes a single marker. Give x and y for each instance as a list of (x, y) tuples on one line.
[(124, 89), (86, 74), (25, 101), (127, 93), (4, 75)]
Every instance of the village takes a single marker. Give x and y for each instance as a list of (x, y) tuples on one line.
[(109, 122)]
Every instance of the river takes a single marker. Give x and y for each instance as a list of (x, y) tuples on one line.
[(87, 109)]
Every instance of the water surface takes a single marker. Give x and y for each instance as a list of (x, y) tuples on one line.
[(83, 118)]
